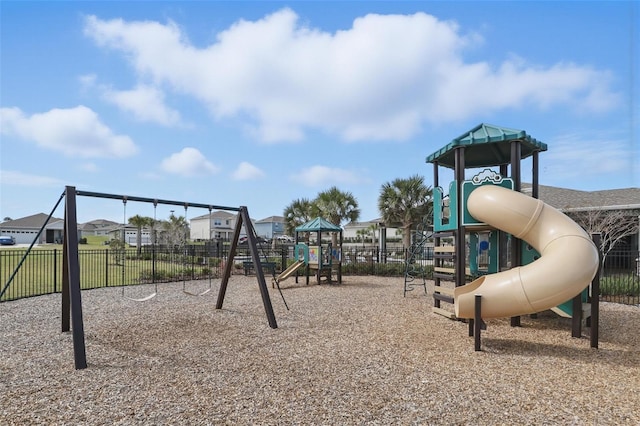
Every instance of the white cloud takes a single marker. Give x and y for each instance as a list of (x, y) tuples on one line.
[(146, 103), (189, 163), (76, 132), (322, 175), (380, 79), (12, 178), (247, 171)]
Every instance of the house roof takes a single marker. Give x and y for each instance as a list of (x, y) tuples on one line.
[(318, 224), (55, 224), (572, 199), (378, 221), (486, 145), (29, 222), (272, 219), (217, 214), (101, 223)]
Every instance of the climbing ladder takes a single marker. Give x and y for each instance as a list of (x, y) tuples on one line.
[(415, 271), (444, 258)]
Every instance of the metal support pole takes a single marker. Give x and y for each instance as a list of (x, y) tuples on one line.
[(516, 244), (73, 274), (477, 322), (243, 217), (66, 301), (595, 294), (535, 181), (576, 316), (460, 241)]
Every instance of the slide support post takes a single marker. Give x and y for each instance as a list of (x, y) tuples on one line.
[(477, 322)]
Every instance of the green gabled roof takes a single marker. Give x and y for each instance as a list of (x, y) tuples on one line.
[(486, 145), (318, 224)]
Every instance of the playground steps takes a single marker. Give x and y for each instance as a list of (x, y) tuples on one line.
[(443, 290), (443, 277), (443, 312), (444, 260), (443, 294), (444, 270), (444, 251)]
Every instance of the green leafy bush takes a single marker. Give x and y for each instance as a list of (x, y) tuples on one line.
[(620, 285)]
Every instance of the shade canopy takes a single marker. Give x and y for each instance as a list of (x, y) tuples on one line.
[(318, 224), (486, 145)]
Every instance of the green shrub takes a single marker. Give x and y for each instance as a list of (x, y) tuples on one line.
[(384, 269), (620, 285)]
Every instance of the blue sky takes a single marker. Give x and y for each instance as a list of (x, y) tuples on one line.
[(262, 103)]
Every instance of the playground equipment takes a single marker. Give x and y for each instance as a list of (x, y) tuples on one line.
[(184, 256), (415, 271), (71, 293), (317, 258), (124, 221), (568, 261), (302, 260), (521, 255)]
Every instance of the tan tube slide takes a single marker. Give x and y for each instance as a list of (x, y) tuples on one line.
[(568, 261)]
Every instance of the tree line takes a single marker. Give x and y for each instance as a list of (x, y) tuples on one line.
[(403, 203)]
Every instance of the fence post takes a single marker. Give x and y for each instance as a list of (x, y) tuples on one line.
[(283, 254), (153, 263), (106, 268), (55, 270)]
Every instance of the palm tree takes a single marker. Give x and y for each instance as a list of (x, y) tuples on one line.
[(140, 222), (175, 230), (404, 203), (297, 213), (337, 206)]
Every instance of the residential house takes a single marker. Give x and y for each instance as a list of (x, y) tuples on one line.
[(625, 201), (99, 227), (356, 231), (270, 227), (218, 224), (25, 230)]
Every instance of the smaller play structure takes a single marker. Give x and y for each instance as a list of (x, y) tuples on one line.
[(317, 257), (521, 255)]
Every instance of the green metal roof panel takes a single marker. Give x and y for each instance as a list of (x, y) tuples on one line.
[(486, 145), (318, 224)]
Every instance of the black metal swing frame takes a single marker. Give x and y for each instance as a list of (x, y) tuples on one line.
[(72, 316)]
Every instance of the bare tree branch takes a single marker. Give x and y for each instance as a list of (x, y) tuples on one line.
[(613, 225)]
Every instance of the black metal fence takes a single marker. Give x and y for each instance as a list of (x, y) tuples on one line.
[(41, 271), (620, 277)]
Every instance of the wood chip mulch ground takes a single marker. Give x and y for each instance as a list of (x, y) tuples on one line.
[(357, 353)]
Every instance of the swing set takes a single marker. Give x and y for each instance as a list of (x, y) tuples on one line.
[(72, 317), (183, 250)]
